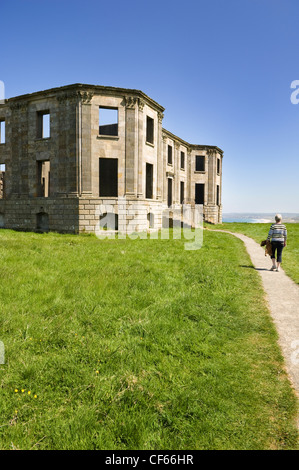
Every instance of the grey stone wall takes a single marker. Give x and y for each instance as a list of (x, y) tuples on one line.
[(22, 213), (72, 152)]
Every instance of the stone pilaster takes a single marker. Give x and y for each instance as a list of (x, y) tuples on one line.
[(140, 148), (211, 210), (190, 196), (131, 157), (220, 191), (84, 144), (176, 169), (211, 200), (68, 144), (164, 158), (19, 148), (159, 165)]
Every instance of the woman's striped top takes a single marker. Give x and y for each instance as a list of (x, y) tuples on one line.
[(278, 233)]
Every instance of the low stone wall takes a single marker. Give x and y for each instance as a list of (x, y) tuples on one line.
[(131, 215), (40, 214), (79, 215), (213, 214)]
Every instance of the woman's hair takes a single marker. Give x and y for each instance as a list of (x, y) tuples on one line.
[(278, 217)]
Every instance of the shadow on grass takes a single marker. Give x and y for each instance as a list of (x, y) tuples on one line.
[(252, 267)]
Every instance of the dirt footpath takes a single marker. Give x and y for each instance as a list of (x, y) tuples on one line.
[(283, 299)]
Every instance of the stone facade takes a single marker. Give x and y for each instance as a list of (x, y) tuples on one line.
[(64, 178)]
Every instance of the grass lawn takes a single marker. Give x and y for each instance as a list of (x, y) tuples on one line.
[(138, 344), (259, 232)]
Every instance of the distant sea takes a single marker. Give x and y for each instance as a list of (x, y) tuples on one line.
[(258, 218)]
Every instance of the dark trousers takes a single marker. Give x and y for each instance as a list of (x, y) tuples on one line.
[(279, 247)]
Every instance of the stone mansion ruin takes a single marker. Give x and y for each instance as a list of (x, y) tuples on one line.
[(68, 153)]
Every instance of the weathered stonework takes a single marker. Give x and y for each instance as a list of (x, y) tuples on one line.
[(53, 182)]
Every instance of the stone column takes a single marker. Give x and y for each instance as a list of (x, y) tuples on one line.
[(211, 177), (190, 196), (69, 144), (164, 159), (61, 184), (160, 155), (19, 149), (131, 159), (84, 144), (220, 191), (211, 193), (176, 169), (141, 136)]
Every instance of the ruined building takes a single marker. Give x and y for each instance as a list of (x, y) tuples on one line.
[(67, 153)]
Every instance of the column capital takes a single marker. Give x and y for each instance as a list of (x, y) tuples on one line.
[(140, 105), (85, 96), (22, 105), (160, 117), (130, 102), (211, 153)]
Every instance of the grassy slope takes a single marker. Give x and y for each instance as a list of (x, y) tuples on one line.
[(137, 345), (259, 232)]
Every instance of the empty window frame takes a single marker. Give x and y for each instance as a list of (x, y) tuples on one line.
[(108, 121), (151, 220), (42, 222), (2, 131), (2, 181), (169, 155), (182, 160), (169, 192), (218, 195), (182, 190), (149, 130), (149, 181), (218, 166), (199, 163), (2, 220), (199, 193), (108, 177), (43, 124), (43, 178), (109, 221)]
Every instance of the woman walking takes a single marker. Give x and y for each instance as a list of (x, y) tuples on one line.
[(278, 236)]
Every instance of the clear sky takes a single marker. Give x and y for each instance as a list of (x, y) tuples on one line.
[(222, 69)]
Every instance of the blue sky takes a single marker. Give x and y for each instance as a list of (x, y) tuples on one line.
[(222, 69)]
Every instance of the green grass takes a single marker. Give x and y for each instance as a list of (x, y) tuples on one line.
[(259, 232), (138, 344)]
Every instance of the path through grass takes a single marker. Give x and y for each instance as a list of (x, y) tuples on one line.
[(137, 344), (259, 232)]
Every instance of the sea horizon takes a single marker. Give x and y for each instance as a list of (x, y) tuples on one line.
[(258, 217)]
